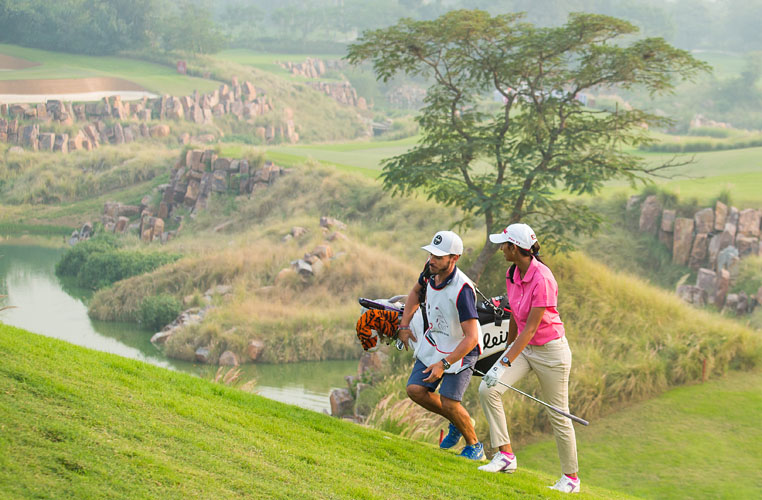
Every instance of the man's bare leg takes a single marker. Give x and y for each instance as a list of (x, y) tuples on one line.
[(449, 408)]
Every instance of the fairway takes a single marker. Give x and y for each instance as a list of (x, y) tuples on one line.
[(269, 61), (52, 65), (739, 170), (700, 441)]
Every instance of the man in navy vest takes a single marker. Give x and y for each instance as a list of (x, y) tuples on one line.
[(451, 341)]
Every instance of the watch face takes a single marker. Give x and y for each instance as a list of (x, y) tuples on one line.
[(505, 360)]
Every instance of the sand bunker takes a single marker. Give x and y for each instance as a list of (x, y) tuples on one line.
[(71, 89), (10, 63)]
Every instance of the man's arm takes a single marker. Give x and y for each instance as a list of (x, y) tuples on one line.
[(411, 306)]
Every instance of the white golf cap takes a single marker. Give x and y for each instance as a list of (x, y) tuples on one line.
[(445, 243), (520, 235)]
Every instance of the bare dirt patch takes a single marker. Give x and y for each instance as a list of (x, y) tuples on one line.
[(12, 63), (68, 86)]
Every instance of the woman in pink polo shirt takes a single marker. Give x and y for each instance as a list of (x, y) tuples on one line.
[(537, 344)]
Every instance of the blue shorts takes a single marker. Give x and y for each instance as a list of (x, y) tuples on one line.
[(454, 385)]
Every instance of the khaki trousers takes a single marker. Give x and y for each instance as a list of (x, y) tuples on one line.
[(552, 363)]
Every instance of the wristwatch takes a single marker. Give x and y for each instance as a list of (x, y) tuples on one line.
[(446, 364), (506, 361)]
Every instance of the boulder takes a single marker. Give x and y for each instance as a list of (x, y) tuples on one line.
[(254, 349), (720, 215), (722, 285), (747, 246), (698, 251), (202, 355), (221, 164), (282, 275), (162, 336), (323, 252), (727, 258), (742, 306), (331, 223), (342, 403), (62, 143), (748, 223), (717, 243), (668, 220), (731, 302), (121, 224), (159, 131), (683, 239), (692, 294), (298, 231), (302, 267), (704, 220), (370, 362), (47, 141), (192, 193), (228, 358), (118, 134), (707, 281), (220, 181)]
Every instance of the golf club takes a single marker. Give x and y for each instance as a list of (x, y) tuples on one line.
[(555, 409)]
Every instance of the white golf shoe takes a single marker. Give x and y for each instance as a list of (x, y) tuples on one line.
[(500, 463), (566, 484)]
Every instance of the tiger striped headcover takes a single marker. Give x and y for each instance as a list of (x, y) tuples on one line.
[(383, 322)]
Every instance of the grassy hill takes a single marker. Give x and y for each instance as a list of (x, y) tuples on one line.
[(83, 424), (697, 441)]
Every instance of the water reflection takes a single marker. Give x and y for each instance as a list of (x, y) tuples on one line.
[(49, 307)]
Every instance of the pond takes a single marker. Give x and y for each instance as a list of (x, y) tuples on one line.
[(49, 306)]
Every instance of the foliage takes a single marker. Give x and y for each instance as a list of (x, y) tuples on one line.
[(109, 26), (504, 161), (749, 279), (74, 259), (102, 269), (157, 311), (52, 178)]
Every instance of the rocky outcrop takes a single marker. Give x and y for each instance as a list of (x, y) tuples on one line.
[(711, 242), (241, 101)]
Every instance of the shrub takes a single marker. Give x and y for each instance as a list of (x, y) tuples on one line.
[(749, 278), (156, 311), (104, 268), (72, 261)]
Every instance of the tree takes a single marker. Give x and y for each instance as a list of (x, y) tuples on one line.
[(506, 161)]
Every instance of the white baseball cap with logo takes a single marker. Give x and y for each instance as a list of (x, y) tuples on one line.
[(445, 243), (520, 235)]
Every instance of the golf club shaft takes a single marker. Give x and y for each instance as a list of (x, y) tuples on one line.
[(554, 408)]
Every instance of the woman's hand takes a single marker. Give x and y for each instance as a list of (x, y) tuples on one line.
[(493, 376)]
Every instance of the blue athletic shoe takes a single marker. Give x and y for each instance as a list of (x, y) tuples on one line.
[(473, 452), (451, 439)]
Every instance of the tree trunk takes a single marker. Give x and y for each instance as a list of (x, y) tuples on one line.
[(477, 268)]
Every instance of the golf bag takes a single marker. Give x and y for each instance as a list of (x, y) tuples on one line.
[(380, 320)]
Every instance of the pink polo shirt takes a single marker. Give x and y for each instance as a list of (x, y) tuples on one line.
[(538, 288)]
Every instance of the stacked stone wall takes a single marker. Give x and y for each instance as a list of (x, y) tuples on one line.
[(712, 242), (239, 100)]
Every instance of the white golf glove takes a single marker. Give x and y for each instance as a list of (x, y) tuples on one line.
[(493, 376)]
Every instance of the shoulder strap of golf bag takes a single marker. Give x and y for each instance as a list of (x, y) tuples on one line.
[(422, 295)]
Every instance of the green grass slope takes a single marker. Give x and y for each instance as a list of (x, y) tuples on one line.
[(699, 441), (82, 424)]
